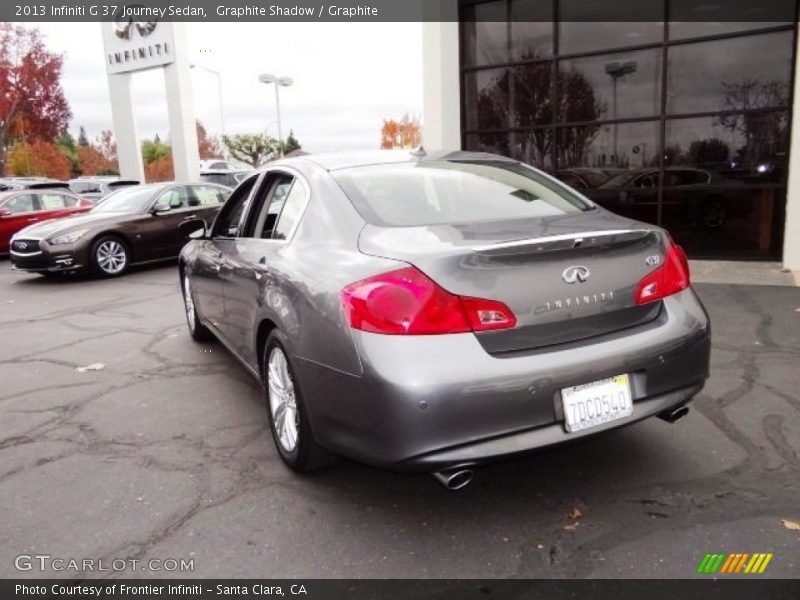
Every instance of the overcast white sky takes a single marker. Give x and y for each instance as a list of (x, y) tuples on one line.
[(348, 77)]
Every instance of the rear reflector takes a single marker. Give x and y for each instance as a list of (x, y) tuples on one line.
[(408, 302), (670, 278)]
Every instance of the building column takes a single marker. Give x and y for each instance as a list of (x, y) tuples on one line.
[(129, 155), (180, 109), (791, 230), (441, 88)]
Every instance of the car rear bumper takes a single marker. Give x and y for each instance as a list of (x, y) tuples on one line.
[(432, 402)]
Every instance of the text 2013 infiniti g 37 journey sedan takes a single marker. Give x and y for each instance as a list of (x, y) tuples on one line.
[(432, 312)]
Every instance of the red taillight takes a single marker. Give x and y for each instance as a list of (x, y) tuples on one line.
[(670, 278), (407, 302)]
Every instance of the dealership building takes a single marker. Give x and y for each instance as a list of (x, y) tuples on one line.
[(668, 119)]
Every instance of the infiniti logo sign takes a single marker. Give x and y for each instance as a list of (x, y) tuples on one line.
[(123, 27), (575, 274)]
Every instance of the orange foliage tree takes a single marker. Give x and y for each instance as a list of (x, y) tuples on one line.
[(99, 158), (405, 133), (38, 158), (92, 162), (32, 102), (207, 145), (160, 169)]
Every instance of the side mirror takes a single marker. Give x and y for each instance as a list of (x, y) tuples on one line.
[(159, 208), (194, 229), (4, 212)]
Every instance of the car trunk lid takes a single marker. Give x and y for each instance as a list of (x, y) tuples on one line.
[(565, 278)]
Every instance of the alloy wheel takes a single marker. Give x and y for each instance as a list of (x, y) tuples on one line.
[(112, 258), (188, 303), (282, 402)]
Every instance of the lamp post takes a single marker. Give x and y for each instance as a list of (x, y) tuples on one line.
[(617, 70), (219, 90), (278, 81)]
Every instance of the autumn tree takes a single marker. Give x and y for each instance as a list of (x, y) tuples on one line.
[(207, 145), (107, 146), (251, 148), (405, 133), (38, 158), (66, 143), (32, 102), (161, 169)]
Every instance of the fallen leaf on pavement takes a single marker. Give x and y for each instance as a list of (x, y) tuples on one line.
[(794, 525), (91, 367), (571, 526), (575, 514)]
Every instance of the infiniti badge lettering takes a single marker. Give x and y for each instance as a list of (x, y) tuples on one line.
[(575, 274)]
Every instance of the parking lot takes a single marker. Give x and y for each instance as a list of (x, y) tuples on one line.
[(160, 450)]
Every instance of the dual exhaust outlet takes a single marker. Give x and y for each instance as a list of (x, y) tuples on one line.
[(460, 477)]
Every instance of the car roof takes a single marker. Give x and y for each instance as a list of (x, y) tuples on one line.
[(346, 160)]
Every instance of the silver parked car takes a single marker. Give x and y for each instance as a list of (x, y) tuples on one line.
[(434, 312)]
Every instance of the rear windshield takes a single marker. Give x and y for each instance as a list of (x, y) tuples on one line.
[(449, 192)]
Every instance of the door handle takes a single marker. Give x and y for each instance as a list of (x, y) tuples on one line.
[(190, 217), (33, 220)]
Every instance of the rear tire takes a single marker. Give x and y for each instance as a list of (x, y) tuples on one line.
[(286, 409), (198, 331), (110, 256)]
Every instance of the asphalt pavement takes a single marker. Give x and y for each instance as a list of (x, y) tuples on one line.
[(121, 438)]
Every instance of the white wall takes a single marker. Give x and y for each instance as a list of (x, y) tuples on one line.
[(791, 234), (441, 94)]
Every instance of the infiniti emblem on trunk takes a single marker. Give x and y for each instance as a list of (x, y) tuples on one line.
[(575, 274)]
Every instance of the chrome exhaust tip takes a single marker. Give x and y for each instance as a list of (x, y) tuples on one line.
[(455, 479), (670, 416)]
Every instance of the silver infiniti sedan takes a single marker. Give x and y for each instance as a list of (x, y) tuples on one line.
[(431, 312)]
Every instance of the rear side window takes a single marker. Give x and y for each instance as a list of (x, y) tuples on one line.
[(55, 201), (292, 211), (208, 196), (444, 192)]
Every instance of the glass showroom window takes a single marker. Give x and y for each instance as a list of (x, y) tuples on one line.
[(647, 110)]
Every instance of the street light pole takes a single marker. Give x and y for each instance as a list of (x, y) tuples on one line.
[(278, 81), (218, 75), (616, 70)]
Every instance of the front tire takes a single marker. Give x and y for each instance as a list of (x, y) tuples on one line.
[(288, 417), (198, 331), (110, 256)]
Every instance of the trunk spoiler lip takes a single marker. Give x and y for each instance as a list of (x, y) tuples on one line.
[(578, 238)]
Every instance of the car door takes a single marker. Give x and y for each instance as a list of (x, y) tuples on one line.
[(168, 237), (16, 213), (249, 274), (207, 269)]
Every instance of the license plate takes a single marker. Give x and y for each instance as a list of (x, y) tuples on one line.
[(592, 404)]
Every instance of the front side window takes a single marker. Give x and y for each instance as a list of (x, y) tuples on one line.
[(20, 204), (177, 198), (454, 192)]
